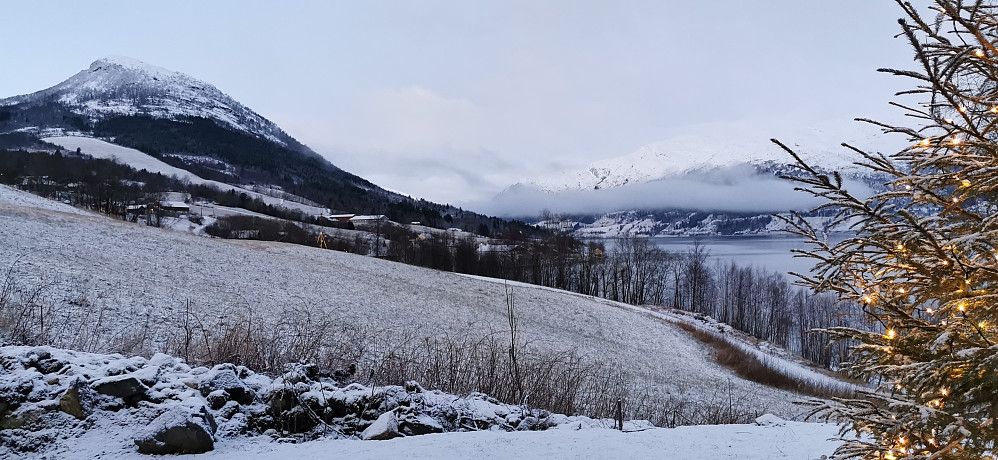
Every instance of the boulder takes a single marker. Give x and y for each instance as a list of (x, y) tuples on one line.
[(223, 377), (126, 387), (284, 407), (78, 400), (385, 427), (417, 424), (217, 399), (179, 430)]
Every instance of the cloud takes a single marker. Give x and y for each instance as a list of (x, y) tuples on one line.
[(417, 119), (730, 189)]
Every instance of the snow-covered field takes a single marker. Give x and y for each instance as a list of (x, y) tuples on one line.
[(782, 440), (14, 197), (143, 276), (101, 149)]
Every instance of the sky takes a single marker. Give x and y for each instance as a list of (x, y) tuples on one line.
[(453, 101)]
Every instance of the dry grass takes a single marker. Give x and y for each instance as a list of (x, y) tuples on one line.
[(749, 367), (561, 381)]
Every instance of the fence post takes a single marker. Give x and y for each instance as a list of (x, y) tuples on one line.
[(620, 414)]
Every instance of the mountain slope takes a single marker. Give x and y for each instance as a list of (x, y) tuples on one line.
[(701, 152), (149, 280), (120, 86), (191, 125)]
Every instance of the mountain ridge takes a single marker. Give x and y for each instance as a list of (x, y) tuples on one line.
[(121, 86), (700, 152), (192, 125)]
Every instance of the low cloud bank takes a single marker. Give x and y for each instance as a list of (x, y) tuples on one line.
[(731, 189)]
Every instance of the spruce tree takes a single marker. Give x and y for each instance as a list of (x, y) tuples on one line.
[(924, 259)]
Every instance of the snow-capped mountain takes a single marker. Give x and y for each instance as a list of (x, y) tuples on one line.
[(725, 178), (121, 86), (177, 121), (718, 148)]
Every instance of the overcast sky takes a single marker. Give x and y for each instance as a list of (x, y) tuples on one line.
[(455, 100)]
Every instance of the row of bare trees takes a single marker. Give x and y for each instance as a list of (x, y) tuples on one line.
[(761, 303)]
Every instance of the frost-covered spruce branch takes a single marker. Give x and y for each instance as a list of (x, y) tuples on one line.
[(923, 262)]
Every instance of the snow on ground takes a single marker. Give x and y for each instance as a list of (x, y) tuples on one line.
[(16, 197), (785, 363), (141, 278), (138, 160), (791, 440), (106, 426)]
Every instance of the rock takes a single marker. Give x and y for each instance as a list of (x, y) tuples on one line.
[(126, 387), (293, 417), (298, 420), (385, 427), (337, 408), (770, 420), (78, 400), (179, 430), (35, 355), (282, 400), (343, 374), (50, 365), (527, 424), (413, 386), (417, 424), (228, 410), (216, 399), (223, 377)]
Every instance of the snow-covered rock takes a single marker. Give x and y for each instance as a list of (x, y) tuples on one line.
[(170, 407), (770, 420), (179, 430), (384, 428)]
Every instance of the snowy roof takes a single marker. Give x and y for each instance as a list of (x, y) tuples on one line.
[(372, 217), (497, 247), (174, 204)]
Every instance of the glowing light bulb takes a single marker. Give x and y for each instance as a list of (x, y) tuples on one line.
[(900, 247), (889, 335), (945, 262), (867, 299), (981, 325), (965, 183), (961, 307), (955, 141), (967, 281), (929, 311), (962, 109), (944, 391), (925, 142), (979, 52), (956, 200)]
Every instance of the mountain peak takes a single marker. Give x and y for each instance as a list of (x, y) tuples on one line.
[(132, 64), (117, 86)]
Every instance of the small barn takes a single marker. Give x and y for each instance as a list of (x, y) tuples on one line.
[(178, 207), (339, 217)]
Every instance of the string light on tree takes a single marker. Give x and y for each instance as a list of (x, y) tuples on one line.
[(929, 243)]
